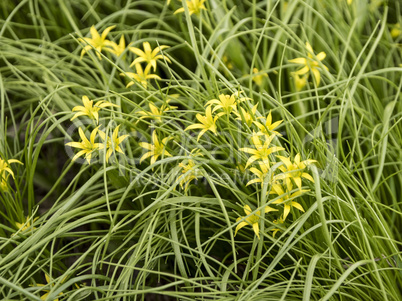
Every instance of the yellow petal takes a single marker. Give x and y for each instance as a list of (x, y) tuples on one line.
[(256, 229), (239, 226)]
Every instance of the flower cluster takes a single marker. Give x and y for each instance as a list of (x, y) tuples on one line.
[(89, 147), (99, 43), (284, 181)]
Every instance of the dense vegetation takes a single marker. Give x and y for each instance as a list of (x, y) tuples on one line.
[(200, 150)]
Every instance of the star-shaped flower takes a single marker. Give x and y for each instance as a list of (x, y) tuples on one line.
[(261, 174), (5, 169), (189, 170), (148, 55), (251, 219), (49, 282), (113, 145), (156, 149), (261, 150), (194, 7), (227, 103), (155, 112), (87, 146), (27, 225), (268, 128), (208, 123), (287, 197), (295, 171), (245, 116), (97, 41), (258, 78), (310, 64), (89, 109), (141, 76)]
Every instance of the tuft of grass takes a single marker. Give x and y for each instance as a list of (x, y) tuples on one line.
[(126, 229)]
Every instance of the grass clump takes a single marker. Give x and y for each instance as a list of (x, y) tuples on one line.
[(200, 150)]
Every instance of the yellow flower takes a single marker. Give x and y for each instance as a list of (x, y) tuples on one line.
[(278, 221), (49, 281), (89, 109), (295, 170), (261, 174), (300, 81), (141, 76), (194, 7), (269, 127), (87, 146), (396, 30), (258, 78), (227, 103), (114, 143), (251, 219), (148, 55), (156, 149), (261, 151), (5, 172), (189, 170), (246, 116), (310, 64), (97, 41), (27, 225), (5, 167), (227, 62), (155, 112), (118, 49), (208, 123), (287, 198)]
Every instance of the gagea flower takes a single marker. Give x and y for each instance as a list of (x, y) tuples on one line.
[(155, 112), (189, 170), (310, 64), (268, 128), (227, 103), (5, 172), (113, 144), (251, 219), (87, 146), (295, 171), (5, 167), (141, 76), (97, 41), (27, 225), (194, 7), (258, 78), (262, 150), (156, 149), (245, 116), (148, 55), (287, 198), (89, 109), (49, 281), (261, 174), (208, 123)]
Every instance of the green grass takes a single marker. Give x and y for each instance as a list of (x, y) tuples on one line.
[(126, 230)]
